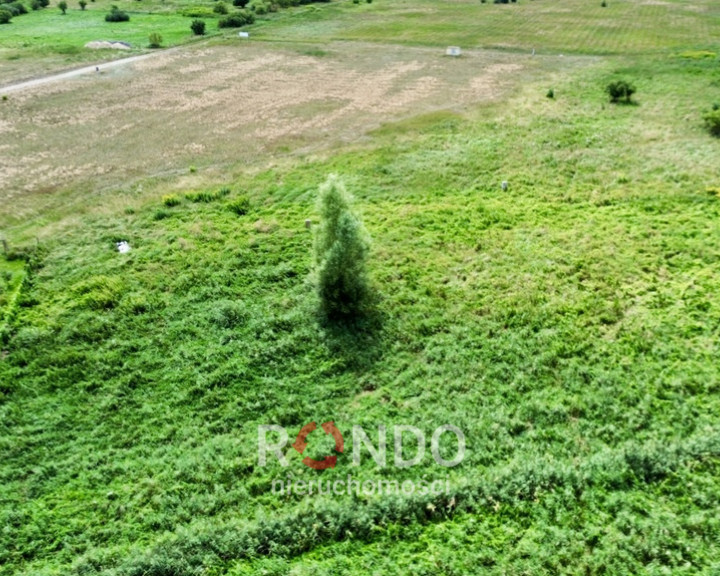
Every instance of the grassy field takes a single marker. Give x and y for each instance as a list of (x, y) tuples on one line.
[(45, 40), (571, 26), (569, 325)]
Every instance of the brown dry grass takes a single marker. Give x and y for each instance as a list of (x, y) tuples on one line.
[(214, 108)]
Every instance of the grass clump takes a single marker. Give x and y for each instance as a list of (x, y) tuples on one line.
[(207, 196), (340, 251), (171, 200), (240, 205), (98, 293)]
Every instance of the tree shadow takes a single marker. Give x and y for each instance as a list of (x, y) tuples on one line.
[(358, 339)]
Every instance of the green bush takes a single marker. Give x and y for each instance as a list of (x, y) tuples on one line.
[(35, 5), (16, 8), (116, 15), (220, 8), (236, 20), (83, 4), (63, 6), (550, 94), (240, 3), (198, 27), (259, 7), (340, 251), (620, 91), (712, 121), (5, 15)]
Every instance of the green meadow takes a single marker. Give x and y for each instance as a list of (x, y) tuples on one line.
[(569, 325)]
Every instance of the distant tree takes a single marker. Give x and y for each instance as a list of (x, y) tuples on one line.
[(116, 15), (620, 91), (340, 252), (63, 6), (198, 27), (5, 16), (82, 4)]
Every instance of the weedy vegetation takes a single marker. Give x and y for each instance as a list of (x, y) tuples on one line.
[(569, 325)]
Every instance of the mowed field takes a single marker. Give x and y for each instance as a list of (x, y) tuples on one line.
[(569, 324), (214, 107)]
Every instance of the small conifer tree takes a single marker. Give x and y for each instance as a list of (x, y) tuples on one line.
[(341, 250)]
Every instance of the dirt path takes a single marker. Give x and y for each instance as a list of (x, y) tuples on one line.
[(92, 69)]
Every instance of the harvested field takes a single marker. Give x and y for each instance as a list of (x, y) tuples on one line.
[(211, 107)]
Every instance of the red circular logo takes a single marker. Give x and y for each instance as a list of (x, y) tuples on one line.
[(301, 443)]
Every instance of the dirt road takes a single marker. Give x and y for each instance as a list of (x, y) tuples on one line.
[(93, 69)]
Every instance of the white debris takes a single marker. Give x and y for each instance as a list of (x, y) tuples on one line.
[(504, 185), (244, 34), (453, 51), (123, 247), (104, 44)]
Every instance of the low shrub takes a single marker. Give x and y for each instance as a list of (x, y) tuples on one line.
[(220, 8), (259, 7), (5, 15), (620, 91), (82, 4), (155, 40), (550, 94), (236, 20), (198, 27), (117, 15), (240, 3), (712, 121), (63, 6)]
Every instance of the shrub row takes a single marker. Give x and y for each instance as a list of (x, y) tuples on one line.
[(237, 20)]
